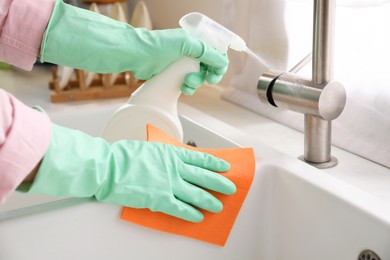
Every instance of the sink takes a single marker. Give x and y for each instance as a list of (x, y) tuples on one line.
[(292, 211), (316, 218)]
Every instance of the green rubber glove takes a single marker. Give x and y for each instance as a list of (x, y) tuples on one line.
[(136, 174), (82, 39)]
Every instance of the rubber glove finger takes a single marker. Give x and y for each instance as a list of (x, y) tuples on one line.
[(214, 75), (198, 197), (142, 74), (180, 209), (192, 81), (203, 160), (217, 71), (214, 58), (188, 91), (199, 50), (207, 179), (213, 78)]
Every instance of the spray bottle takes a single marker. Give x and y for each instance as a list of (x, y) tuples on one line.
[(155, 102)]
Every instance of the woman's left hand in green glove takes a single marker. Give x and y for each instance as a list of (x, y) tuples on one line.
[(135, 174)]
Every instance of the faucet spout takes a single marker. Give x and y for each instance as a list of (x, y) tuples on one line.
[(323, 40), (320, 99)]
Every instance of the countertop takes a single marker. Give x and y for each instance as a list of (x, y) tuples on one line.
[(32, 88)]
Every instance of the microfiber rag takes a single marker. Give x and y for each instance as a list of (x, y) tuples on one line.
[(216, 227)]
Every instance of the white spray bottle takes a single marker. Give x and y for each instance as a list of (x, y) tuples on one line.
[(155, 102)]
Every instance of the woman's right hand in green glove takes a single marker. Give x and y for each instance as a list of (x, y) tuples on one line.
[(136, 174), (160, 48), (86, 40)]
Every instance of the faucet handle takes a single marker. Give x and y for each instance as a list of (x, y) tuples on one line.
[(289, 91)]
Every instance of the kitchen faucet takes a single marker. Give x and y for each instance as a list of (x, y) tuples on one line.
[(320, 99)]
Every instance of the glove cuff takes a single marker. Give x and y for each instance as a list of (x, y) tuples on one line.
[(83, 39), (75, 164)]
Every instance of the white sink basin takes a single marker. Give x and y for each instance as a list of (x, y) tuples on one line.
[(293, 211)]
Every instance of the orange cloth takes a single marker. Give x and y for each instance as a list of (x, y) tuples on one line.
[(215, 227)]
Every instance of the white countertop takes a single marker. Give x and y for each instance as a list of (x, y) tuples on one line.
[(32, 88)]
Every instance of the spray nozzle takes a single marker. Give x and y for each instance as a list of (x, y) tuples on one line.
[(212, 33)]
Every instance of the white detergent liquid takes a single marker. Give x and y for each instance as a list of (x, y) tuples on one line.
[(258, 59)]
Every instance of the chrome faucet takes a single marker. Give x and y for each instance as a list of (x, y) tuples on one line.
[(320, 99)]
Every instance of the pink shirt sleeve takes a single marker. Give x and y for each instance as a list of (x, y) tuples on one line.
[(22, 25), (24, 138)]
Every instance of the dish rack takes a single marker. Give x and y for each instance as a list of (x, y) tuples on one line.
[(100, 87)]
